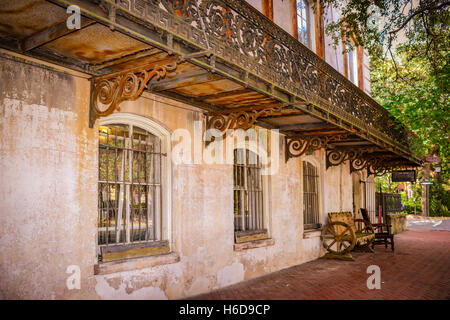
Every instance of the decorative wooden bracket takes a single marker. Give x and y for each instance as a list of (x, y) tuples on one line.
[(298, 145), (108, 91), (239, 118), (377, 164), (383, 167), (336, 157)]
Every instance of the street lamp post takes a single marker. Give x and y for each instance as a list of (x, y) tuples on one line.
[(438, 180)]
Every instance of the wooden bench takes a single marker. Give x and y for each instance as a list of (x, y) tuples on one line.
[(383, 232), (343, 234)]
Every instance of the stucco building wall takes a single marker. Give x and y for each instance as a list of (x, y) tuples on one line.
[(48, 199)]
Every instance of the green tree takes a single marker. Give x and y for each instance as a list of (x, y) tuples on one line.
[(408, 44)]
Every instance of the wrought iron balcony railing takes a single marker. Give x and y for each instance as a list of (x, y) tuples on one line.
[(235, 32)]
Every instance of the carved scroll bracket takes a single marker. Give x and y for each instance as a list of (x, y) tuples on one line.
[(297, 146), (335, 157), (239, 119), (108, 91), (388, 166), (378, 165)]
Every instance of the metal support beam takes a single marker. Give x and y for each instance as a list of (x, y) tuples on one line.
[(184, 80), (125, 59), (52, 33), (307, 126)]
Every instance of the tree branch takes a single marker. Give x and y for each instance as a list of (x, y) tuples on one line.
[(442, 5)]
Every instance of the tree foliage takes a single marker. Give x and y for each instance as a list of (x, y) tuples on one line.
[(408, 44)]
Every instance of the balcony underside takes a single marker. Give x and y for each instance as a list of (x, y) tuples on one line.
[(126, 51)]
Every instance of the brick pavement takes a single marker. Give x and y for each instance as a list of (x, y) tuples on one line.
[(418, 269)]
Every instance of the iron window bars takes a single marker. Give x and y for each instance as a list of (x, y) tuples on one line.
[(310, 196), (129, 190), (248, 193)]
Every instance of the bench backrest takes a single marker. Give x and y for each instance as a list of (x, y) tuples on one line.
[(346, 217)]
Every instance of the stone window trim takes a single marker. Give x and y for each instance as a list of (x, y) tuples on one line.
[(312, 233), (136, 263), (251, 235), (143, 255), (267, 242)]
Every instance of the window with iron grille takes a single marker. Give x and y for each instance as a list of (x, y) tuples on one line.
[(129, 188), (248, 193), (310, 196)]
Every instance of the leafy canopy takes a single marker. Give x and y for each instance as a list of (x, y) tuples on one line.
[(408, 42)]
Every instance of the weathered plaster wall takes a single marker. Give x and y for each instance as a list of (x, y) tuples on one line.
[(282, 13), (257, 4), (203, 221), (48, 200), (338, 189), (48, 183)]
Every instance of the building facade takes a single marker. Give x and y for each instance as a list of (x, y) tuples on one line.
[(108, 171)]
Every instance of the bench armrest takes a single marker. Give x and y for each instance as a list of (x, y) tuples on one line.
[(368, 227)]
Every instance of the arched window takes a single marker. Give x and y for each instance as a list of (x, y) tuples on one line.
[(132, 190), (248, 193), (311, 216)]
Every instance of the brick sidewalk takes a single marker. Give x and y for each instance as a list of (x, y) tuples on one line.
[(418, 269)]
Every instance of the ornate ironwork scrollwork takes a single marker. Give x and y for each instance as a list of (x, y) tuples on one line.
[(297, 146), (378, 165), (241, 119), (235, 32), (108, 91), (386, 166), (336, 157)]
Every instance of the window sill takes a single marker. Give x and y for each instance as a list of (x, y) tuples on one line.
[(136, 263), (247, 236), (138, 250), (254, 244), (311, 233)]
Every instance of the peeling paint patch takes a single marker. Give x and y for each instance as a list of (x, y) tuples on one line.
[(230, 274), (200, 285), (120, 290)]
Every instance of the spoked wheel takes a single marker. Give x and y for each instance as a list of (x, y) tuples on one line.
[(338, 238)]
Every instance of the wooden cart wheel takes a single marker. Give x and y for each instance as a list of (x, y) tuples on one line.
[(338, 241)]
